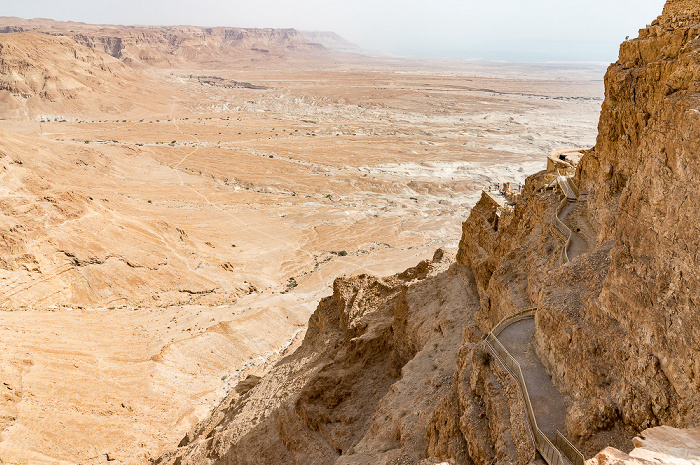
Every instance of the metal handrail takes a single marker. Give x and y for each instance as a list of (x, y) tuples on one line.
[(553, 454), (570, 451), (563, 229), (511, 318), (559, 225), (574, 187), (509, 363)]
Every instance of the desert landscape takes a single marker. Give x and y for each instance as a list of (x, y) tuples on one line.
[(195, 222)]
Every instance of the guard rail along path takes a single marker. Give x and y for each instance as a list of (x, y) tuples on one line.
[(571, 193), (561, 452)]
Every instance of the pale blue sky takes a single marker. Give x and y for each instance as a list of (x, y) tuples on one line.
[(513, 30)]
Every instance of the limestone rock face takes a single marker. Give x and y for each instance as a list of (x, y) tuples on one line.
[(682, 8), (357, 385), (172, 46), (616, 327), (41, 74), (643, 178)]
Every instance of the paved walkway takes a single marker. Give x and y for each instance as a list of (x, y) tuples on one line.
[(578, 244), (547, 402)]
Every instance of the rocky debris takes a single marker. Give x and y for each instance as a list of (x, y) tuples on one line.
[(247, 384), (660, 445)]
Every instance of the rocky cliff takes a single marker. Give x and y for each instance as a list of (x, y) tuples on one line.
[(394, 370), (662, 444), (379, 362), (182, 46), (615, 327), (642, 178)]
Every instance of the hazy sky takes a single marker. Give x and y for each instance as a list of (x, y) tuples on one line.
[(513, 30)]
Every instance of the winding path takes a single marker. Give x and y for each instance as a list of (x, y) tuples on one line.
[(578, 245), (512, 342), (547, 401)]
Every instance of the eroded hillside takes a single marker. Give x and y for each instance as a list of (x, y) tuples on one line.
[(41, 75)]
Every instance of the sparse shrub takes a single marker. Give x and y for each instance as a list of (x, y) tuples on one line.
[(485, 357), (342, 253), (291, 284)]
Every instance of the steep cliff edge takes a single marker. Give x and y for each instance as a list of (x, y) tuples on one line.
[(616, 327), (45, 75), (377, 363), (643, 177)]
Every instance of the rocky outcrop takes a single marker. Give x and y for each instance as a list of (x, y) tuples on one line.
[(660, 445), (643, 178), (30, 64), (615, 327), (366, 384)]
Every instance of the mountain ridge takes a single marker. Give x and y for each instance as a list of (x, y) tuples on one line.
[(177, 46)]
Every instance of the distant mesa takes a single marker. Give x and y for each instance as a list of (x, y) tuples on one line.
[(331, 41), (174, 46), (69, 68)]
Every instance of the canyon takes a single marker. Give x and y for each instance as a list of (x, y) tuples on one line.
[(245, 246)]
